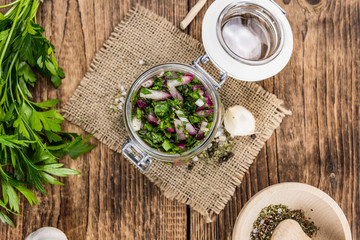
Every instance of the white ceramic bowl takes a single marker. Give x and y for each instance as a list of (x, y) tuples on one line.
[(320, 207)]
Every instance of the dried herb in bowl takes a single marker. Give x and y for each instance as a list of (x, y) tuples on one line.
[(272, 215)]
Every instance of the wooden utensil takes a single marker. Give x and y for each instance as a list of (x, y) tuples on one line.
[(289, 230), (192, 14)]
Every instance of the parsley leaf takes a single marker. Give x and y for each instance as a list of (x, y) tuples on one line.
[(166, 145), (167, 74), (145, 91), (138, 113), (31, 138), (161, 108), (46, 104), (158, 84), (49, 120), (156, 137), (25, 71), (78, 147)]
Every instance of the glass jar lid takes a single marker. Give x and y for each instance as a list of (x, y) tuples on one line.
[(250, 40)]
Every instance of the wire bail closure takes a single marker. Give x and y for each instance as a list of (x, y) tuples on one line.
[(205, 59), (143, 163)]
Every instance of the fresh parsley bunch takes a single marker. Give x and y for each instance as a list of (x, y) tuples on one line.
[(31, 139)]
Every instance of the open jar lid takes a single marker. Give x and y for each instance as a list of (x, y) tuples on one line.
[(250, 40)]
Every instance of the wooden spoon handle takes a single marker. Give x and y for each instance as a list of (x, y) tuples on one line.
[(192, 14)]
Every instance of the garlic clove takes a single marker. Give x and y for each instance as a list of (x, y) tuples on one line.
[(47, 233), (239, 121)]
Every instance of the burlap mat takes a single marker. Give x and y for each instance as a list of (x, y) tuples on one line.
[(152, 39)]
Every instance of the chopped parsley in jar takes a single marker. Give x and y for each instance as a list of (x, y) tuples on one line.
[(172, 112), (272, 215)]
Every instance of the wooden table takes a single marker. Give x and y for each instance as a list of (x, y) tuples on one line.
[(318, 144)]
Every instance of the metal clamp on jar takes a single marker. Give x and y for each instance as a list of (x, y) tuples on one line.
[(249, 40)]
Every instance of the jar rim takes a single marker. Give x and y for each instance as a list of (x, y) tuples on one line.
[(257, 11), (127, 116)]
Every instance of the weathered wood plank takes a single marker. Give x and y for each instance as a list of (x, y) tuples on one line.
[(319, 143), (110, 200)]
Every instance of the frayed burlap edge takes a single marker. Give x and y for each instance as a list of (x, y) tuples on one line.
[(169, 190)]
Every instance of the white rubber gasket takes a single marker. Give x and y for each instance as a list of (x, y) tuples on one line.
[(235, 68)]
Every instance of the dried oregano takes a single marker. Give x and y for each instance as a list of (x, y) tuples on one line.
[(272, 215), (219, 150)]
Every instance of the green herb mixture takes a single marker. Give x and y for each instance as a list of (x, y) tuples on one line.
[(172, 112), (272, 215), (31, 139)]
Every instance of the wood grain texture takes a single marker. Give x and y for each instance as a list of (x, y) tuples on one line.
[(318, 144), (110, 200)]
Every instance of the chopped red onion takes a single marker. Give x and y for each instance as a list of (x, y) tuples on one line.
[(141, 104), (175, 94), (164, 82), (170, 130), (201, 89), (185, 80), (179, 129), (136, 124), (205, 113), (200, 102), (156, 95), (152, 118), (181, 145), (148, 83), (201, 133), (190, 128)]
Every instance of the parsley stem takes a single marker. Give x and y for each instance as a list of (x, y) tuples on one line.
[(34, 9), (37, 139), (10, 4), (26, 9), (10, 35)]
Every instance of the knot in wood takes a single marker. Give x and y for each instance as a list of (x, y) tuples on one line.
[(314, 2)]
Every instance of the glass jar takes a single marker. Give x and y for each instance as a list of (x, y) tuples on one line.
[(249, 40), (138, 151)]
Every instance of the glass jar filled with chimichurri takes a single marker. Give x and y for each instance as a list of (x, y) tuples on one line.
[(173, 111)]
